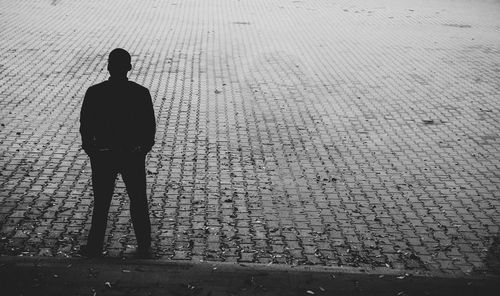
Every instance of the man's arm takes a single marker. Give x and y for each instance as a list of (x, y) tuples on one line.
[(86, 130), (150, 123)]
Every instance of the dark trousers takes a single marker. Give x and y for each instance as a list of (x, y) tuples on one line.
[(105, 168)]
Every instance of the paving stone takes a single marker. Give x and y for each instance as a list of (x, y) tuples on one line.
[(296, 132)]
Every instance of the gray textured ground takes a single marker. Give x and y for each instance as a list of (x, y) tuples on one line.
[(353, 133)]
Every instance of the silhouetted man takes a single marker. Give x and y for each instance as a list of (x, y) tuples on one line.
[(117, 125)]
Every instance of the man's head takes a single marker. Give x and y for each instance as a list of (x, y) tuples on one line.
[(119, 62)]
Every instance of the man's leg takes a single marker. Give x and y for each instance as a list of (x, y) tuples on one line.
[(103, 182), (134, 175)]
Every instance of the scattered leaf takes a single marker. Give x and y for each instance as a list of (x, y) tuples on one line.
[(401, 277)]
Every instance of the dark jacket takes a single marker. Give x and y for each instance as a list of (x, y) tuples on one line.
[(117, 115)]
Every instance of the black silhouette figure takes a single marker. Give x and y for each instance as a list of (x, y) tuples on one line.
[(117, 125)]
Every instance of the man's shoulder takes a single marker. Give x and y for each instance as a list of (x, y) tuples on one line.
[(137, 86), (107, 86), (98, 86)]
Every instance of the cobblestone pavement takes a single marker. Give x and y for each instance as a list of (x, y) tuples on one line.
[(353, 133)]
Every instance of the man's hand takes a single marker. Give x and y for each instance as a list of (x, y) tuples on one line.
[(141, 149)]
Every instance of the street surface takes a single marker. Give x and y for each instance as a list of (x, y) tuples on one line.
[(361, 134), (35, 276)]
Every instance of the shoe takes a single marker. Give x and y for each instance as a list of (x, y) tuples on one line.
[(143, 253), (88, 252)]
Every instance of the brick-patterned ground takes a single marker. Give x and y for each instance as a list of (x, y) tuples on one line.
[(354, 133)]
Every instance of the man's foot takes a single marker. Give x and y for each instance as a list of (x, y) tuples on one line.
[(88, 252), (143, 253)]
